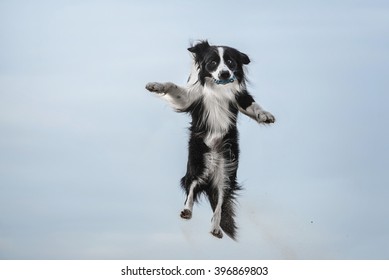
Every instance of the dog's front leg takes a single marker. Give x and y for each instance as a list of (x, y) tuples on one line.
[(256, 112), (176, 95), (249, 107)]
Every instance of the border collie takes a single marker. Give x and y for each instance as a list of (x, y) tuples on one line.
[(215, 93)]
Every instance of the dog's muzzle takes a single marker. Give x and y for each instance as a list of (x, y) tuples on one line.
[(224, 82)]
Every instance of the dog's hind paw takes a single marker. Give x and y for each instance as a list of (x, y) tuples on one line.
[(156, 87), (186, 214), (217, 233)]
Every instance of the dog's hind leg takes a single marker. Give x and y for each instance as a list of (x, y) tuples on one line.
[(186, 213), (216, 229), (216, 194), (193, 179)]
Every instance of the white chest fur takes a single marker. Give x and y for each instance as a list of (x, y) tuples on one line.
[(218, 117)]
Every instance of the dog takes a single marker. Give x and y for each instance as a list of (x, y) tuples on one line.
[(214, 95)]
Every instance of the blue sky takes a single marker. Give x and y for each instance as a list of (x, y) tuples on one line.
[(90, 161)]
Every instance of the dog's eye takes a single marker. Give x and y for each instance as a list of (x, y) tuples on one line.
[(230, 62), (213, 63)]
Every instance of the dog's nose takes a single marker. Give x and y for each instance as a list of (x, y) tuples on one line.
[(224, 75)]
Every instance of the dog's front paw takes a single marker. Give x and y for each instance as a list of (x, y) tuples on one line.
[(156, 87), (265, 117)]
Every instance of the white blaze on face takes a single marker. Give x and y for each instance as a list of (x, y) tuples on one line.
[(222, 66)]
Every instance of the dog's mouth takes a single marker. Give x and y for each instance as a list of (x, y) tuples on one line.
[(225, 81)]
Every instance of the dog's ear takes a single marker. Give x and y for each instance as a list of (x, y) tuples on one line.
[(199, 48), (245, 58)]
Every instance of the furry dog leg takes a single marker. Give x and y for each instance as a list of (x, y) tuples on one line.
[(219, 179), (217, 214), (250, 108), (177, 96), (186, 213)]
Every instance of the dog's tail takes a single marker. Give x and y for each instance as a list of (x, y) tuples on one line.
[(227, 222)]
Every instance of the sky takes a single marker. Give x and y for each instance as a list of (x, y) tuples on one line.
[(90, 162)]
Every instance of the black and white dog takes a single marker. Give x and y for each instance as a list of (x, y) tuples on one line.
[(215, 93)]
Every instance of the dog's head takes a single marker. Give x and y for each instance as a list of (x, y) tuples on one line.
[(222, 64)]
